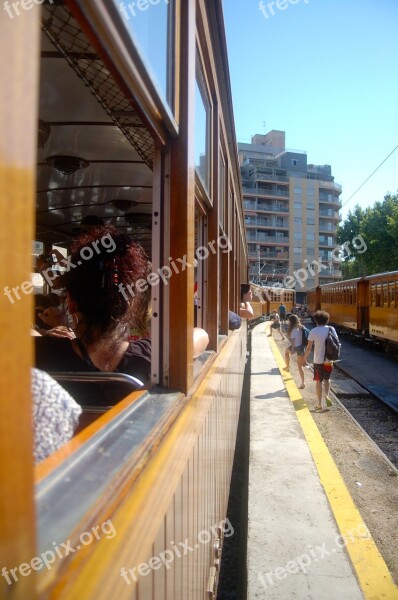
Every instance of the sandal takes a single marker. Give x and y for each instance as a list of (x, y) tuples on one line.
[(318, 409), (302, 386)]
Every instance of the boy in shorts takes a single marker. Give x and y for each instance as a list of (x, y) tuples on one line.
[(322, 367)]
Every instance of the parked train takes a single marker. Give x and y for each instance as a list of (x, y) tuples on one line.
[(367, 306), (266, 299)]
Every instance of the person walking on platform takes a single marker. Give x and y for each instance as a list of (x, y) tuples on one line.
[(282, 312), (276, 324), (322, 367), (295, 334)]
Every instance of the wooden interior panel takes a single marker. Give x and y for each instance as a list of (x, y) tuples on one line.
[(19, 63)]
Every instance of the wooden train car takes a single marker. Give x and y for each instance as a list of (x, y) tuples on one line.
[(135, 127), (346, 302), (366, 305), (266, 299), (313, 300), (383, 306)]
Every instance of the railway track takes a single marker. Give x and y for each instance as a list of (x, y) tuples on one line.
[(378, 420), (369, 404)]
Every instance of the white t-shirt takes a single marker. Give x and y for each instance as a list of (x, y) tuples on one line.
[(318, 335), (296, 336)]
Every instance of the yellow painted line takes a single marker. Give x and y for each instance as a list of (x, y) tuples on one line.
[(371, 570)]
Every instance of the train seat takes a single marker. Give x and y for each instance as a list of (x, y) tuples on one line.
[(97, 390)]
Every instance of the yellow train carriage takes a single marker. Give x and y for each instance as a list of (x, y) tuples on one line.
[(344, 301), (313, 300), (266, 299), (383, 306), (365, 305)]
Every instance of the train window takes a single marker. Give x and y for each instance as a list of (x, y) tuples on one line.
[(37, 279), (221, 190), (373, 295), (378, 295), (149, 26), (202, 127), (201, 253), (392, 297), (385, 293)]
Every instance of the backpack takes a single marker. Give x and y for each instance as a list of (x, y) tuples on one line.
[(234, 321), (304, 337), (332, 346)]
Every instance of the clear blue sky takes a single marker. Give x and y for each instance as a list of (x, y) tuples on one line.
[(326, 72)]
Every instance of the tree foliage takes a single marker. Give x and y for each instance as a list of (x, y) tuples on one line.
[(378, 226)]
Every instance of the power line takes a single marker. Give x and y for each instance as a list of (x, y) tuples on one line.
[(371, 175)]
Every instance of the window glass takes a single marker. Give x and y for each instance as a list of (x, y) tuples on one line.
[(221, 190), (391, 294), (146, 22), (373, 295), (37, 279), (202, 127)]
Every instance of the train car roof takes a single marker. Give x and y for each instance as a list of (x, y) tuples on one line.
[(271, 287), (382, 275), (342, 282)]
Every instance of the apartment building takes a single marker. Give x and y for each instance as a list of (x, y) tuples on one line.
[(291, 213)]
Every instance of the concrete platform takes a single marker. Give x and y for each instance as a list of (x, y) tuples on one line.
[(295, 547)]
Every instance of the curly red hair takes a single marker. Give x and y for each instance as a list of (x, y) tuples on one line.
[(99, 273)]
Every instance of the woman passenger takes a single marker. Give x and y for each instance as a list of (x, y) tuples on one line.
[(295, 336), (104, 305)]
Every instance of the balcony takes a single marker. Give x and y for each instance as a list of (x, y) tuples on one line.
[(264, 176), (249, 190), (330, 184), (328, 213), (247, 205), (329, 199), (327, 227), (272, 254), (273, 208), (266, 239), (267, 192), (258, 191), (266, 223)]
